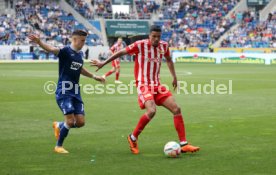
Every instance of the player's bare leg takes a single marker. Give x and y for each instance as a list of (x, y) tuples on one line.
[(171, 105), (117, 72), (79, 120), (144, 120), (109, 72)]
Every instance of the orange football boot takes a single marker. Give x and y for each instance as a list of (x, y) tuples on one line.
[(60, 150), (133, 145), (189, 148), (56, 129)]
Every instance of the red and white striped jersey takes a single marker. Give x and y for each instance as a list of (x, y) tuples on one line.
[(148, 61), (115, 48)]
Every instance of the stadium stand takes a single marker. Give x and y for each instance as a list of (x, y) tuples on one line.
[(185, 24), (145, 8), (252, 33), (82, 7), (194, 23), (13, 30), (103, 8), (121, 15), (54, 24)]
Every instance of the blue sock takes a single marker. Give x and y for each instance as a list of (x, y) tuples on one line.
[(60, 124), (63, 134)]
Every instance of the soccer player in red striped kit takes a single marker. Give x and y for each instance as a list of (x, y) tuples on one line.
[(149, 54), (115, 63)]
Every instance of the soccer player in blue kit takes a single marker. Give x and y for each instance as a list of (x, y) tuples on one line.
[(68, 91)]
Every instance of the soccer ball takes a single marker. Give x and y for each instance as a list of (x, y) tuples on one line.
[(172, 149)]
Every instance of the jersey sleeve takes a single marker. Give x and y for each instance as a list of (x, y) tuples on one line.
[(61, 53), (167, 52), (132, 49), (82, 54)]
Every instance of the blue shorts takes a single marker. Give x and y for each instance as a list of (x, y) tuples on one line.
[(70, 105)]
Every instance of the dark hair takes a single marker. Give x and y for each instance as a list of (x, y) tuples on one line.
[(155, 28), (79, 33)]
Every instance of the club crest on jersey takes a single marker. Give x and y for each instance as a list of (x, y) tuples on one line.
[(75, 65)]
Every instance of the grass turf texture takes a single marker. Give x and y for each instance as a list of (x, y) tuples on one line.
[(236, 132)]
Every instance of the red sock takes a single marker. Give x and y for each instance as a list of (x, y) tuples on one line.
[(180, 128), (144, 120), (117, 75), (108, 73)]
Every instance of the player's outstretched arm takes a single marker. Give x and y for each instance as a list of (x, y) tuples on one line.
[(99, 64), (86, 73), (172, 70), (36, 39)]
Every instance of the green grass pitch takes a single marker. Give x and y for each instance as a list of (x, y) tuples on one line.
[(236, 133)]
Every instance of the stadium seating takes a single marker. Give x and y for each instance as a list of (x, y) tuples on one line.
[(194, 23), (54, 24), (103, 8), (252, 33), (82, 7), (145, 8), (16, 29)]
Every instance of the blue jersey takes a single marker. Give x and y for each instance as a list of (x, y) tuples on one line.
[(70, 65)]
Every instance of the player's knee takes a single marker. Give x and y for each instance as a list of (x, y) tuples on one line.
[(70, 123), (80, 124), (151, 112), (176, 110)]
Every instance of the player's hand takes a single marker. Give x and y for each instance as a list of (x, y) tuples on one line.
[(96, 63), (174, 83), (34, 38), (99, 78)]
